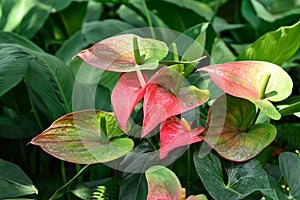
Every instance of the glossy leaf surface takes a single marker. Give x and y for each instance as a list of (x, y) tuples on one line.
[(162, 183), (243, 178), (289, 164), (84, 137), (245, 79), (174, 133), (117, 53), (14, 182), (230, 132)]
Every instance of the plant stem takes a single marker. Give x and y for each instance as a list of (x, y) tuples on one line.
[(78, 168), (149, 21), (264, 86)]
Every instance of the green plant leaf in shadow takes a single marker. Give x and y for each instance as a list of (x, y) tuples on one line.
[(117, 53), (246, 79), (289, 164), (276, 46), (14, 182), (85, 137), (230, 132), (243, 178)]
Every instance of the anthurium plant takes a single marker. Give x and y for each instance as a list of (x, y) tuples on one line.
[(149, 102)]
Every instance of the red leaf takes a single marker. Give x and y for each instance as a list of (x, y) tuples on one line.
[(174, 133), (125, 95)]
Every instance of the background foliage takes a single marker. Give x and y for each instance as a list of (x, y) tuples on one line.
[(38, 39)]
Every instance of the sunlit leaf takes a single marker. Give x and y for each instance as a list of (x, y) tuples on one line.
[(243, 178), (162, 183), (116, 53), (276, 46), (84, 137), (174, 133), (230, 132), (245, 79)]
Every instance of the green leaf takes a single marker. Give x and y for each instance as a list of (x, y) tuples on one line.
[(220, 52), (85, 137), (247, 79), (121, 53), (261, 11), (290, 106), (276, 46), (14, 182), (230, 132), (243, 178), (289, 164), (162, 183)]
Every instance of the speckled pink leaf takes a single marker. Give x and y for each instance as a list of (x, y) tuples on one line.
[(116, 53), (173, 134), (244, 79), (125, 96), (230, 132)]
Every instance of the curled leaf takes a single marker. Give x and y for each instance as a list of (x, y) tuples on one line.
[(174, 133)]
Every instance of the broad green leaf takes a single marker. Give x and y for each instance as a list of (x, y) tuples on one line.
[(246, 79), (162, 183), (261, 11), (243, 178), (130, 16), (85, 137), (116, 53), (230, 132), (14, 62), (197, 197), (290, 106), (220, 52), (14, 182), (276, 46), (289, 164)]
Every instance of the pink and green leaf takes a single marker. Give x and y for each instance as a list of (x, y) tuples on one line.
[(84, 137), (162, 184), (175, 133), (245, 79), (117, 53), (230, 130)]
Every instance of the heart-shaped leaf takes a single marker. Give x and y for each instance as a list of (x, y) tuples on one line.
[(230, 132), (243, 178), (117, 53), (247, 79), (162, 183), (175, 133), (125, 95), (85, 137)]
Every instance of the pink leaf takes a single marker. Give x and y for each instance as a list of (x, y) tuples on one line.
[(174, 133), (125, 96)]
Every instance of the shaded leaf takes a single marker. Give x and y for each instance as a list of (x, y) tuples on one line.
[(230, 132), (116, 53), (84, 137), (245, 79), (14, 182), (174, 133), (243, 178), (289, 164), (276, 46)]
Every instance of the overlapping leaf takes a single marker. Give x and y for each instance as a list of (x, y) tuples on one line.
[(230, 132), (245, 79), (174, 133), (117, 53), (163, 95), (84, 137)]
